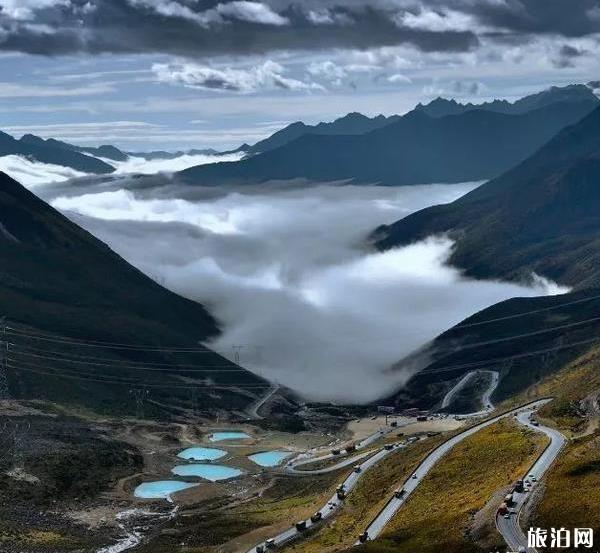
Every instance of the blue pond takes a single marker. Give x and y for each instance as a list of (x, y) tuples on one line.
[(269, 458), (161, 489), (201, 454), (208, 472), (220, 436)]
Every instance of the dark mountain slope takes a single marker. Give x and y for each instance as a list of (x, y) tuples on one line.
[(105, 151), (49, 153), (540, 216), (414, 150), (58, 280), (350, 124), (554, 331)]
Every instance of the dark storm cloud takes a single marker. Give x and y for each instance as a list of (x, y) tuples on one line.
[(197, 29), (567, 56), (561, 17)]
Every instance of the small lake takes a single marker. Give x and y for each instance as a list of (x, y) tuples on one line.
[(269, 458), (161, 489), (221, 436), (201, 454), (208, 472)]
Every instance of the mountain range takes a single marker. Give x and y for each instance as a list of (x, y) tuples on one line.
[(86, 159), (417, 148), (365, 149), (52, 152), (351, 124), (540, 216), (524, 339), (62, 291), (440, 107)]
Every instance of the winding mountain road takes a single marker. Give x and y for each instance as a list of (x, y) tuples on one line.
[(510, 527), (253, 410), (333, 505), (486, 397), (292, 465), (395, 503)]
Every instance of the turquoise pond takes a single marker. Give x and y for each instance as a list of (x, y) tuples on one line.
[(161, 489), (208, 472), (269, 458), (220, 436), (201, 454)]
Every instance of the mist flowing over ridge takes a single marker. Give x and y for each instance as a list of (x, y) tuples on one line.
[(325, 317)]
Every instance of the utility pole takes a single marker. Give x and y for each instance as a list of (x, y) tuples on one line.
[(140, 395), (236, 353), (194, 400), (4, 391), (17, 445)]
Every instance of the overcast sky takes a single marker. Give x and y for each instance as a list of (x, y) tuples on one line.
[(168, 74)]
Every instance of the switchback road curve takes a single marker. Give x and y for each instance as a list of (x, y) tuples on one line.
[(510, 527), (395, 503)]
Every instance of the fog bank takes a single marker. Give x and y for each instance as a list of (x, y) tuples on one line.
[(288, 274)]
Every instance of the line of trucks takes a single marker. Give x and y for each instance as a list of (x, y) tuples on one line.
[(520, 486), (341, 494)]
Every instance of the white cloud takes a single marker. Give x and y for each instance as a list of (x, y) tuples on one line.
[(399, 78), (243, 10), (254, 12), (329, 317), (33, 173), (23, 10), (144, 166), (327, 17), (16, 90), (327, 69), (267, 76), (437, 21)]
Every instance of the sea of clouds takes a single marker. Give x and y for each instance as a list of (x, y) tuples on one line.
[(288, 272), (33, 173)]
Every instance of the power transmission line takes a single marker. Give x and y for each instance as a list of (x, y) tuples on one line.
[(70, 355), (525, 313), (140, 395), (4, 390), (216, 385), (117, 364), (237, 348), (507, 358), (11, 331)]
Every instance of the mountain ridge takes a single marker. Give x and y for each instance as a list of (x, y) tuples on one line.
[(551, 230), (48, 152), (58, 281), (473, 145)]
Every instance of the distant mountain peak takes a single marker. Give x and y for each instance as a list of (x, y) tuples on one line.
[(352, 123), (441, 107)]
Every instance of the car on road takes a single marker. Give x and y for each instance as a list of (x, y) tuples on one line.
[(506, 515), (415, 476), (316, 517)]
